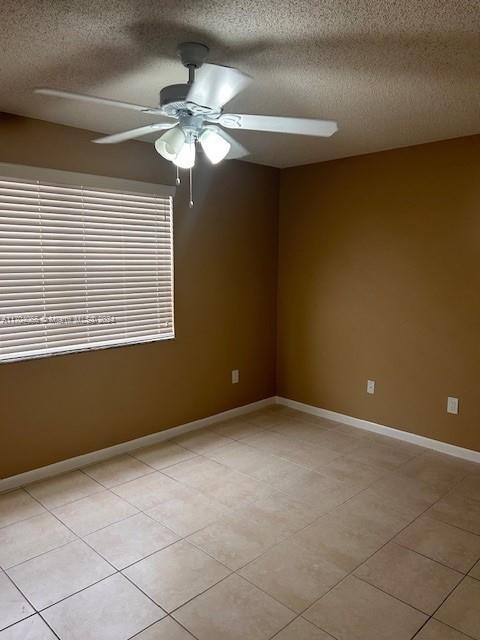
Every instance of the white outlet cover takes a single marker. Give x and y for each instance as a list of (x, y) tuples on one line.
[(235, 376), (452, 405), (371, 386)]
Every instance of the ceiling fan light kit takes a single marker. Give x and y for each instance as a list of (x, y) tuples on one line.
[(170, 143), (193, 112)]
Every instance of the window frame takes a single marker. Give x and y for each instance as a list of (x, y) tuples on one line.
[(57, 177)]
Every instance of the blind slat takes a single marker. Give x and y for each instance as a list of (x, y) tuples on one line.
[(82, 268)]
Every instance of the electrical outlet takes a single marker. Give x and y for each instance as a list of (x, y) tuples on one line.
[(452, 405), (235, 376), (371, 386)]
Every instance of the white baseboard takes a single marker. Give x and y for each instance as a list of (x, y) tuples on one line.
[(63, 466), (422, 441), (124, 447)]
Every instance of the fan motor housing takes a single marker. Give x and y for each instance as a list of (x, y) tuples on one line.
[(173, 102), (174, 93)]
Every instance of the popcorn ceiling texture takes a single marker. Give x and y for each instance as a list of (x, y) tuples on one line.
[(393, 73)]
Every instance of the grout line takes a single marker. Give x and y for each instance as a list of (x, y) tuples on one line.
[(423, 555), (260, 483), (115, 570), (467, 635), (168, 616), (384, 545), (351, 573), (117, 484), (32, 615)]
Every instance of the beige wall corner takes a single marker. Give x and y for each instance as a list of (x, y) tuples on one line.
[(379, 278)]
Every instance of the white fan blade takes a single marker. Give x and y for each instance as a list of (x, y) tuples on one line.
[(236, 149), (215, 85), (82, 96), (280, 124), (135, 133)]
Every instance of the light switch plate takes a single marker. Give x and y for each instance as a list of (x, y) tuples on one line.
[(371, 386), (235, 376)]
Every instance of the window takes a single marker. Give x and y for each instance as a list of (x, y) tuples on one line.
[(82, 266)]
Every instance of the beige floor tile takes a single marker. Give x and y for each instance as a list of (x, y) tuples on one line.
[(255, 463), (202, 441), (320, 421), (459, 511), (435, 471), (95, 512), (199, 473), (234, 541), (410, 497), (387, 457), (237, 489), (314, 488), (435, 630), (236, 429), (175, 575), (262, 418), (114, 471), (231, 488), (371, 513), (469, 487), (299, 430), (339, 543), (339, 442), (449, 545), (278, 512), (410, 577), (475, 572), (59, 490), (29, 538), (247, 613), (302, 453), (413, 450), (462, 609), (17, 505), (301, 629), (13, 606), (33, 628), (151, 490), (293, 575), (130, 540), (241, 457), (466, 465), (166, 629), (57, 574), (276, 470), (111, 610), (354, 432), (348, 469), (354, 610), (163, 454), (188, 513), (280, 410)]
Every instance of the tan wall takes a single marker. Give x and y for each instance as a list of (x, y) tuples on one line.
[(225, 289), (379, 277)]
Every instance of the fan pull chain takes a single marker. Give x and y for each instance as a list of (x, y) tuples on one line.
[(177, 179), (190, 204)]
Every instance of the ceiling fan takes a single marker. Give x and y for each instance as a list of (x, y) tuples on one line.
[(193, 112)]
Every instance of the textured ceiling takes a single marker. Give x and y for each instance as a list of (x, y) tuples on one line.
[(391, 72)]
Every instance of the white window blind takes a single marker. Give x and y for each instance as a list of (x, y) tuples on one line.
[(82, 268)]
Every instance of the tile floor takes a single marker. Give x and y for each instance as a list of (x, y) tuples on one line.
[(276, 525)]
